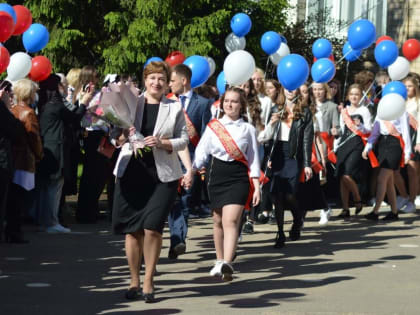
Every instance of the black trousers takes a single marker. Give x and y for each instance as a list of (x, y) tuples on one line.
[(5, 180), (96, 171), (16, 201)]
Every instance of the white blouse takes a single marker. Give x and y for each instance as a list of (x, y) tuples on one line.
[(367, 117), (266, 105), (412, 106), (244, 135)]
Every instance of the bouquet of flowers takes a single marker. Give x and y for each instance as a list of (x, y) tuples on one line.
[(117, 106)]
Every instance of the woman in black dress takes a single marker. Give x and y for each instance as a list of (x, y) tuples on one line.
[(291, 159), (147, 174)]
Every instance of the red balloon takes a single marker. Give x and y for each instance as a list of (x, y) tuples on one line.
[(411, 49), (174, 58), (41, 68), (331, 57), (6, 26), (384, 37), (4, 59), (23, 19)]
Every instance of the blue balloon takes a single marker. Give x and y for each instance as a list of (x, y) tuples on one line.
[(283, 39), (9, 9), (221, 83), (323, 70), (292, 71), (151, 59), (240, 24), (270, 42), (349, 53), (386, 52), (200, 70), (321, 48), (395, 87), (361, 34), (35, 38)]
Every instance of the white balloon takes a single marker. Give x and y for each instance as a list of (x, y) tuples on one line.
[(233, 43), (239, 66), (282, 52), (399, 69), (391, 106), (19, 67), (212, 65)]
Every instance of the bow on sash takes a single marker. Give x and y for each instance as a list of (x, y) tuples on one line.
[(394, 132), (235, 153), (364, 136)]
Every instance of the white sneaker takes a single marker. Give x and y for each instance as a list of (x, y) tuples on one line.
[(324, 216), (227, 271), (401, 202), (58, 228), (217, 269), (417, 201), (409, 208)]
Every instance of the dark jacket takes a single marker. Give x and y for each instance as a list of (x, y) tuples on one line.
[(11, 129), (27, 150), (55, 122), (300, 140)]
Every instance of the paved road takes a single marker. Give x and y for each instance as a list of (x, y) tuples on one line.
[(344, 268)]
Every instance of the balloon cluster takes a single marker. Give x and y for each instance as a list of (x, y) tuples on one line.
[(17, 20)]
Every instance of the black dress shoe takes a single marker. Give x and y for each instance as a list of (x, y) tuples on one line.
[(280, 240), (132, 293), (15, 238), (372, 216), (345, 214), (359, 206), (177, 250), (391, 216), (294, 233), (149, 297)]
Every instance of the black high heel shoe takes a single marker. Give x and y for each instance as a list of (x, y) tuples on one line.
[(359, 206), (280, 240), (132, 293), (149, 297)]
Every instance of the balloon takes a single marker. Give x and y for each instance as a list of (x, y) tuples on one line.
[(233, 42), (322, 48), (19, 66), (4, 59), (6, 26), (391, 106), (221, 83), (174, 58), (292, 71), (349, 53), (238, 67), (41, 68), (382, 38), (35, 38), (386, 53), (283, 39), (331, 57), (152, 59), (395, 87), (23, 19), (361, 34), (270, 42), (399, 69), (240, 24), (212, 65), (280, 53), (323, 70), (9, 9), (200, 70), (411, 49)]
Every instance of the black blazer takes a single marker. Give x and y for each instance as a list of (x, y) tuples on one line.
[(11, 129), (56, 124)]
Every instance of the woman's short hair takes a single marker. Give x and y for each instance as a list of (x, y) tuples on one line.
[(73, 77), (157, 67), (23, 90)]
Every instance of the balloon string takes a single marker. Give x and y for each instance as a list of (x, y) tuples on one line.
[(266, 68), (346, 80)]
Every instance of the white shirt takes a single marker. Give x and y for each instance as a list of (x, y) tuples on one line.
[(266, 105), (318, 117), (244, 135), (24, 179), (412, 106), (362, 111), (188, 96), (400, 124)]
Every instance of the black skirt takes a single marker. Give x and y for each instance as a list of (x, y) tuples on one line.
[(413, 135), (389, 152), (228, 183), (349, 158), (285, 170), (141, 200)]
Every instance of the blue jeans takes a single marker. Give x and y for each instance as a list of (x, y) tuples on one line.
[(49, 201)]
